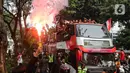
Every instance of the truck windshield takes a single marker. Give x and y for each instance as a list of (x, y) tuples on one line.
[(98, 59), (92, 31)]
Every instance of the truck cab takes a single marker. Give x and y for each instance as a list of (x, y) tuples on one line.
[(89, 43)]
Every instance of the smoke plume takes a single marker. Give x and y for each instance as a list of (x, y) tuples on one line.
[(44, 11)]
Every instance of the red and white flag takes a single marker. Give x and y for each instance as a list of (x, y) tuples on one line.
[(109, 24)]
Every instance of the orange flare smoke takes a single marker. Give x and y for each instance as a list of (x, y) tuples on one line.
[(39, 28), (44, 11)]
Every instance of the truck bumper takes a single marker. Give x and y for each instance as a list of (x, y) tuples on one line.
[(100, 70)]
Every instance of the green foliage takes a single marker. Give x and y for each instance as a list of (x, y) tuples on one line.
[(83, 8), (124, 35), (123, 39), (10, 63)]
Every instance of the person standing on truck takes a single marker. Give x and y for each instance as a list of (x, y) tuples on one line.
[(82, 69), (122, 57), (85, 20)]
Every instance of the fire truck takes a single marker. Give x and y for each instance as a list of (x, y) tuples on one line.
[(88, 43)]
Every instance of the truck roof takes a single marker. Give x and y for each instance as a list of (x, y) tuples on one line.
[(88, 24)]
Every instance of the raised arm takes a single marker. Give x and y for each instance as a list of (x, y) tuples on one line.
[(31, 68)]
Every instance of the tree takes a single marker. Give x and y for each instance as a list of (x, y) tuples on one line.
[(14, 12), (123, 39), (79, 9), (3, 40), (21, 10)]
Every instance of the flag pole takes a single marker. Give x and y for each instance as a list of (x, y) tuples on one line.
[(112, 35)]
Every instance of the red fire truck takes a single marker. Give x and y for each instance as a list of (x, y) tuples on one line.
[(89, 43)]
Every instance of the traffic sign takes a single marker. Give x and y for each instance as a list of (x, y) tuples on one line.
[(119, 9)]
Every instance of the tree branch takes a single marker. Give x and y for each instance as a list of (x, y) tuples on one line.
[(15, 27), (7, 11), (24, 18), (23, 3), (11, 20), (8, 24)]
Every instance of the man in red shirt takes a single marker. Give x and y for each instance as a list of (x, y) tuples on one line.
[(122, 57)]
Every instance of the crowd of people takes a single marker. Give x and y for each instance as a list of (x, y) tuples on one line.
[(64, 22), (44, 62), (80, 21), (122, 61)]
